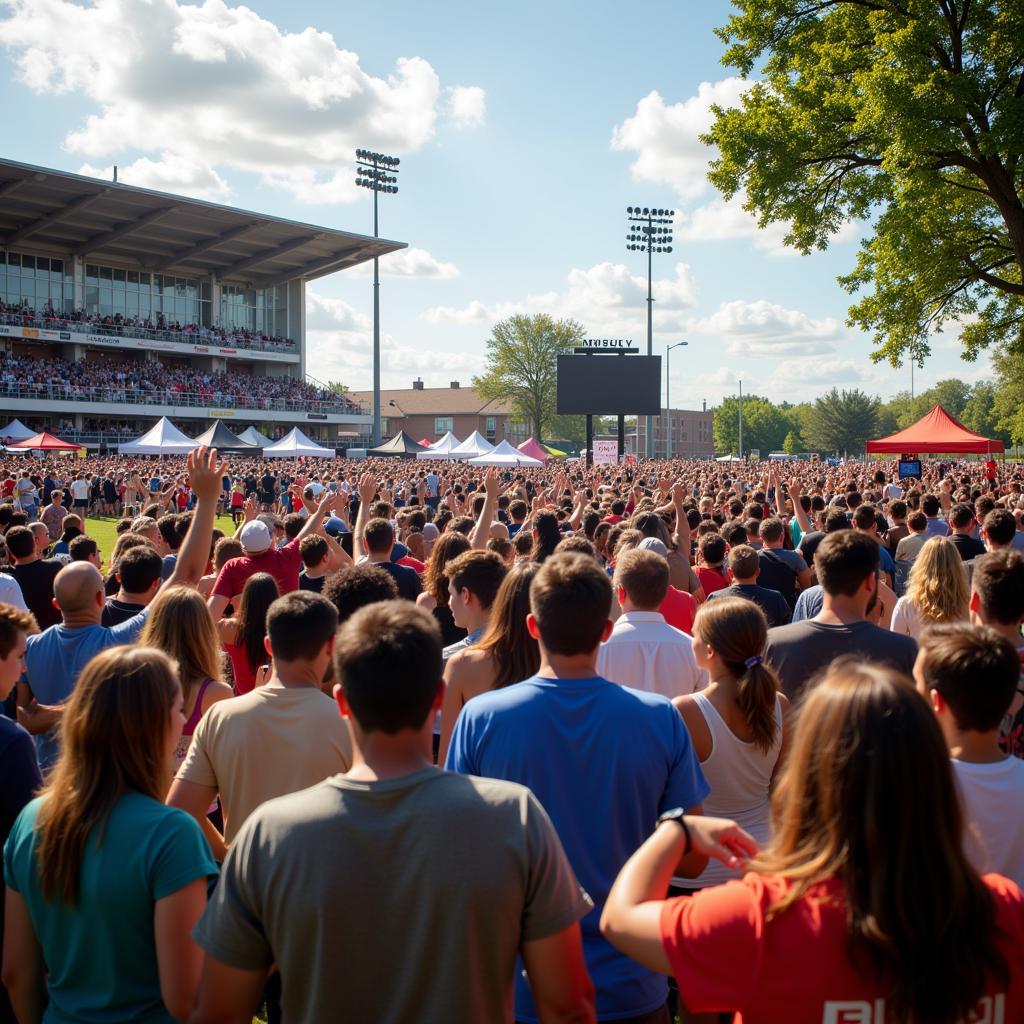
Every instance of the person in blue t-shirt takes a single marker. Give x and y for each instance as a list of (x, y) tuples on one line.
[(104, 882), (604, 760)]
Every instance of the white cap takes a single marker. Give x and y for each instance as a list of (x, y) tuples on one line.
[(255, 537)]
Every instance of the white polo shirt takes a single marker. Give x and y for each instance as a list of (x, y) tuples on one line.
[(646, 653)]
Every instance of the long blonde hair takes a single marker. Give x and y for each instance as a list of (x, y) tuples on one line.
[(181, 626), (113, 740), (938, 583)]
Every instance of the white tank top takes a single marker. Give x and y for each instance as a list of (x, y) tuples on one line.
[(739, 774)]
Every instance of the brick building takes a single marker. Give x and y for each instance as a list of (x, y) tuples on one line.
[(431, 412), (693, 434)]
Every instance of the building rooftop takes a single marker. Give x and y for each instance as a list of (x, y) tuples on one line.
[(453, 400), (49, 210)]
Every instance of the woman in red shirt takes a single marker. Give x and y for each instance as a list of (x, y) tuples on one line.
[(863, 909)]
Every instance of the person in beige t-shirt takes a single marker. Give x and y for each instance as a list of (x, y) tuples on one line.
[(277, 739)]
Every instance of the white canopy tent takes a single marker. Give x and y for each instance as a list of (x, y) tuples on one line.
[(474, 445), (295, 444), (728, 458), (16, 431), (440, 449), (503, 454), (163, 438), (253, 436)]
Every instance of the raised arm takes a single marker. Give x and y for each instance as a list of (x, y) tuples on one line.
[(803, 520), (482, 529), (683, 537), (205, 474), (366, 489)]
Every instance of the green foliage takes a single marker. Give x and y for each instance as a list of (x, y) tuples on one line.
[(792, 444), (907, 117), (764, 425), (1008, 399), (841, 421), (522, 365), (337, 387)]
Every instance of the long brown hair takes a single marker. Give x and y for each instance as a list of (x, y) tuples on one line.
[(738, 631), (258, 594), (867, 797), (113, 740), (181, 626), (512, 649), (448, 546)]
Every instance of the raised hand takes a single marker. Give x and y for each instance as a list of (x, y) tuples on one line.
[(492, 482), (366, 488), (205, 473)]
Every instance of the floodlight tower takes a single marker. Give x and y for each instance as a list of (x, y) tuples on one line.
[(650, 231), (379, 173)]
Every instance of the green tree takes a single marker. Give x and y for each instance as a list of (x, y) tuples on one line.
[(841, 421), (906, 117), (764, 425), (522, 364), (1008, 397), (979, 413), (792, 444), (337, 387)]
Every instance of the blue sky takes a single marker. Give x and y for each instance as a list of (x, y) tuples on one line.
[(524, 131)]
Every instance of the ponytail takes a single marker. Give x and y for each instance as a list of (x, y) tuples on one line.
[(738, 631)]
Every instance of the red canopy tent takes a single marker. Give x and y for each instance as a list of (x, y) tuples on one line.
[(45, 442), (425, 441), (534, 450), (936, 432)]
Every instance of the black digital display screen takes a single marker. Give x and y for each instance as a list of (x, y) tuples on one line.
[(609, 385)]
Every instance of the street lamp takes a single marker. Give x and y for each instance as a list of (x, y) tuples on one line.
[(650, 231), (668, 401), (379, 173)]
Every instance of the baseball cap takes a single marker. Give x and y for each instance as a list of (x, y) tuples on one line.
[(648, 544), (255, 537), (430, 532)]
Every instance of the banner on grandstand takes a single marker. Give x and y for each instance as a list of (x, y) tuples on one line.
[(29, 332), (316, 415), (5, 330), (221, 413), (606, 452)]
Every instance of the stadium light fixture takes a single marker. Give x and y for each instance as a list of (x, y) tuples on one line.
[(379, 173), (649, 230)]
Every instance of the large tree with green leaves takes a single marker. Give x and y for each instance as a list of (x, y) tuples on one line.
[(907, 116), (522, 364), (841, 421), (765, 425)]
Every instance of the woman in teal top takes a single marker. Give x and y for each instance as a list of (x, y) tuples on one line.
[(104, 882)]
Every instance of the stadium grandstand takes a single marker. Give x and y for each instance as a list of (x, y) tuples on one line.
[(119, 305)]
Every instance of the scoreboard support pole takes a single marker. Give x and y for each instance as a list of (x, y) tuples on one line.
[(590, 440), (622, 437)]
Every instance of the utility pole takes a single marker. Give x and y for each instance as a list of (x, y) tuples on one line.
[(741, 419)]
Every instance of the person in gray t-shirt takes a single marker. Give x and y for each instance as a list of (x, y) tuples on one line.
[(847, 566), (356, 890)]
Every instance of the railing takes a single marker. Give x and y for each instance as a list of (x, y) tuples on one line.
[(166, 396), (211, 337)]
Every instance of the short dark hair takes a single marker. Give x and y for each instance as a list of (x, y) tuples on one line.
[(299, 624), (173, 529), (387, 659), (571, 598), (293, 524), (998, 580), (864, 517), (355, 586), (644, 576), (743, 562), (577, 543), (313, 549), (917, 521), (712, 548), (771, 530), (380, 535), (139, 567), (1000, 526), (517, 509), (898, 509), (961, 515), (81, 548), (480, 572), (930, 505), (20, 541), (974, 668), (843, 561), (836, 520)]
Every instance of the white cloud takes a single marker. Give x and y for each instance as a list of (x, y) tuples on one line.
[(328, 314), (822, 373), (604, 298), (171, 173), (409, 263), (467, 106), (765, 328), (222, 87), (669, 152), (665, 137)]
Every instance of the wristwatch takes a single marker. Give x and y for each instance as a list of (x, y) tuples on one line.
[(678, 815)]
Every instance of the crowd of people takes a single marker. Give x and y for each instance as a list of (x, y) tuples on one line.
[(161, 329), (153, 383), (407, 741)]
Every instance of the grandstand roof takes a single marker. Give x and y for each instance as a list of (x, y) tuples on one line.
[(69, 214)]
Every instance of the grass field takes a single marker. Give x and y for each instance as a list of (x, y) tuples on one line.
[(103, 530)]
